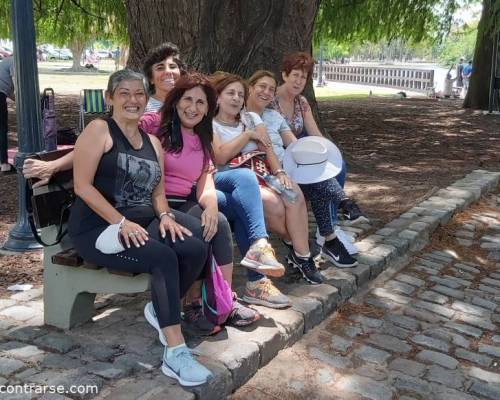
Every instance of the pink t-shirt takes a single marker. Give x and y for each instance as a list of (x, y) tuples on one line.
[(150, 122), (183, 169)]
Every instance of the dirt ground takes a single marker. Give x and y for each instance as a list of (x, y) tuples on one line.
[(399, 151)]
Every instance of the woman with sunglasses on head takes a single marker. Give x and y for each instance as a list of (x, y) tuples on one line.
[(184, 127), (118, 180), (296, 69), (325, 195)]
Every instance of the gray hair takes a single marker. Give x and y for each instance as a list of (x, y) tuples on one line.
[(124, 75)]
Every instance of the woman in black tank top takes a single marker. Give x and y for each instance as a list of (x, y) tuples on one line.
[(118, 178)]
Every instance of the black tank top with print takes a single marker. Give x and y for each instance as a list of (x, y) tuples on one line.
[(126, 177)]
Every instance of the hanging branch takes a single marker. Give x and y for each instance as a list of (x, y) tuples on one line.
[(58, 12), (86, 11)]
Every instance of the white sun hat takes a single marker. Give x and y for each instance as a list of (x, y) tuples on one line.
[(109, 241), (312, 159)]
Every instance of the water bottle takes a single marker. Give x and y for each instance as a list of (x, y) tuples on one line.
[(289, 195), (274, 183)]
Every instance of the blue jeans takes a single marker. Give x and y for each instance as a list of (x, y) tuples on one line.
[(238, 198)]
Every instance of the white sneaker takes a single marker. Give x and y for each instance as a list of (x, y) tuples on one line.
[(149, 314), (182, 366)]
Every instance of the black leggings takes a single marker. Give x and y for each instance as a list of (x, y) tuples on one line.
[(222, 242), (173, 266)]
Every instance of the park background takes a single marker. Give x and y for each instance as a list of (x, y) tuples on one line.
[(400, 150), (397, 147)]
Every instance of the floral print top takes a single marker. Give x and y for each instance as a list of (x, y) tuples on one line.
[(296, 122)]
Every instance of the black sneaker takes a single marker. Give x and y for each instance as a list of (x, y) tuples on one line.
[(288, 246), (307, 267), (196, 323), (314, 247), (242, 315), (335, 252), (316, 251), (351, 212)]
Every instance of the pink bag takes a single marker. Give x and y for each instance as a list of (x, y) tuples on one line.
[(216, 294)]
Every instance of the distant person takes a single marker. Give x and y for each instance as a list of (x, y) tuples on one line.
[(116, 56), (6, 90), (466, 73), (91, 60), (460, 69), (447, 88)]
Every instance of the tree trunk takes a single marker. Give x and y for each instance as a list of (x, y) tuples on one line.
[(124, 55), (238, 36), (76, 48), (479, 89)]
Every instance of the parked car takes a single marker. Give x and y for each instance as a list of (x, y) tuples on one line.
[(66, 54), (52, 54), (104, 54), (5, 52), (58, 54)]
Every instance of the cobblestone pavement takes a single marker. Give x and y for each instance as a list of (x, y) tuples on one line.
[(429, 331), (440, 314)]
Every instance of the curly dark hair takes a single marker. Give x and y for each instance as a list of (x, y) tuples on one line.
[(157, 55), (170, 133)]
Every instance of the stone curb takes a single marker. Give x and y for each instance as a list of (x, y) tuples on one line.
[(233, 355), (236, 360)]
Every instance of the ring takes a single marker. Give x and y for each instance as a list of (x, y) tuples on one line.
[(132, 234)]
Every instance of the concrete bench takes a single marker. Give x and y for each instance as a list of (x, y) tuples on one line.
[(71, 284)]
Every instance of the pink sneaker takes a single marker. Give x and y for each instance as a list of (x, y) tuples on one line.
[(261, 258)]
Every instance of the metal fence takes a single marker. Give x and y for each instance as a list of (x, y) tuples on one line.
[(394, 77)]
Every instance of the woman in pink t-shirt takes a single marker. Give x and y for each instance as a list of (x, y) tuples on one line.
[(184, 127)]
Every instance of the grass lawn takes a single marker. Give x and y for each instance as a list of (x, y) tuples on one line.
[(55, 74)]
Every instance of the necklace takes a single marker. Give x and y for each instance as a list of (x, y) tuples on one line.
[(135, 141), (225, 123)]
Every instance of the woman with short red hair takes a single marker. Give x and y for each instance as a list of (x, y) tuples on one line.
[(296, 69)]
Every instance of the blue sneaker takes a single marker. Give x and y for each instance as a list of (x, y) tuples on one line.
[(181, 365), (149, 314)]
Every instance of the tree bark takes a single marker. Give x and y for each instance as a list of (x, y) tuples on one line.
[(479, 89), (76, 48), (238, 36)]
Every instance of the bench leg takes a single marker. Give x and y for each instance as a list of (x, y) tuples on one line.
[(65, 308), (66, 302)]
